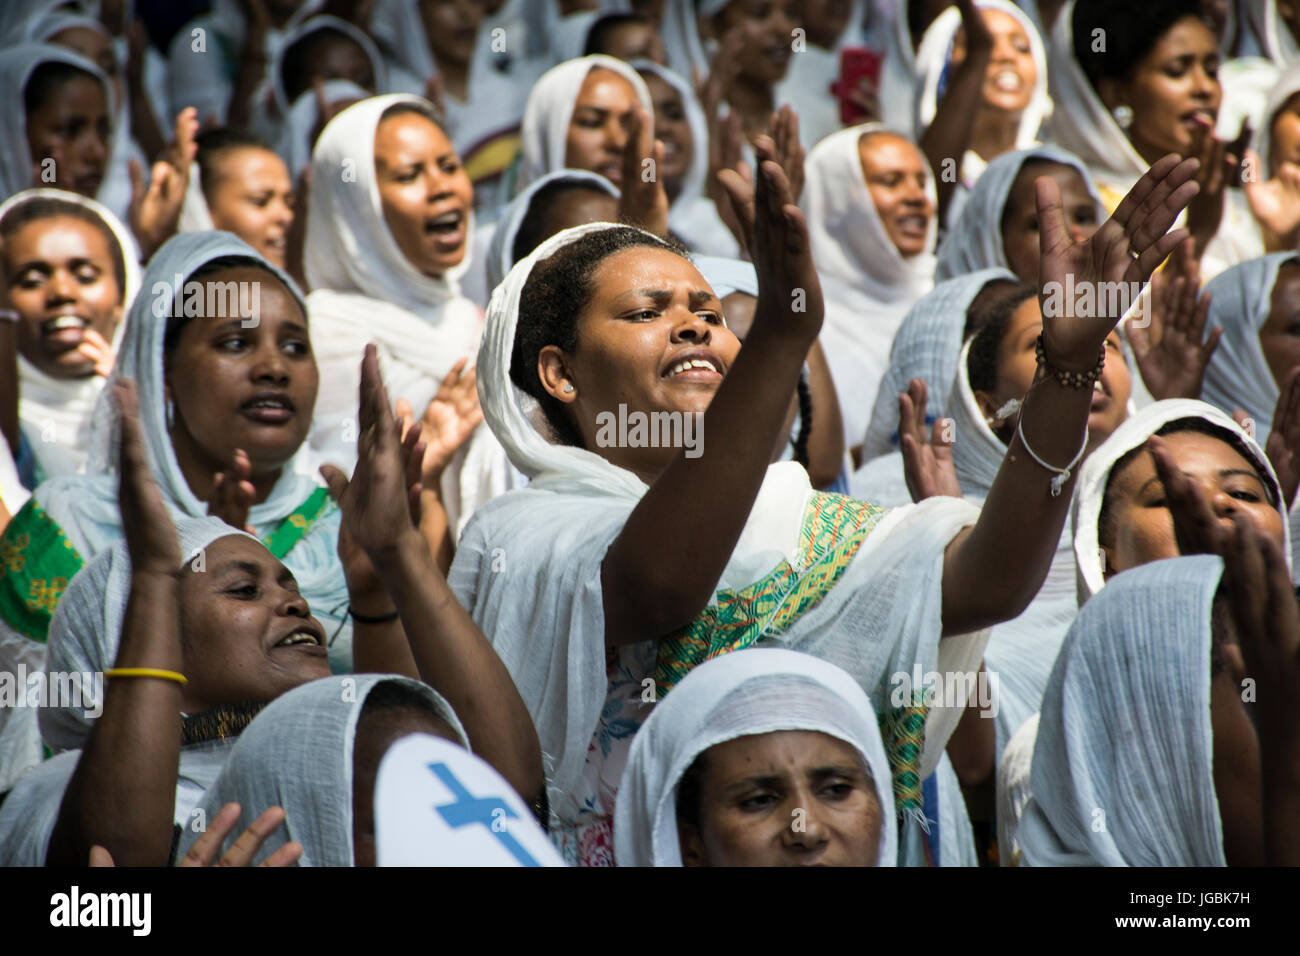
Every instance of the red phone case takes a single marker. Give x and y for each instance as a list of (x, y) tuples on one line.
[(857, 64)]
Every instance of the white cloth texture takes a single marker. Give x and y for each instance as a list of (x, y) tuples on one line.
[(298, 754), (1275, 38), (295, 143), (364, 289), (742, 694), (692, 216), (545, 614), (1125, 729), (1286, 86), (975, 239), (1095, 473), (550, 108), (867, 284), (1013, 774), (55, 413)]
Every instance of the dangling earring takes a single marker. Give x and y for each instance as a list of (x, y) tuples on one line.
[(171, 414), (1123, 117)]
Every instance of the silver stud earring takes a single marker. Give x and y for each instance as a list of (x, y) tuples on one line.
[(1123, 116), (568, 387), (171, 414)]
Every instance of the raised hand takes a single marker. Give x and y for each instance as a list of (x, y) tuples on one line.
[(776, 233), (94, 347), (449, 420), (205, 849), (927, 465), (156, 207), (643, 202), (1275, 202), (233, 492), (435, 91), (381, 503), (1218, 167), (1197, 529), (146, 523), (1126, 249), (783, 128), (1283, 445), (1174, 367)]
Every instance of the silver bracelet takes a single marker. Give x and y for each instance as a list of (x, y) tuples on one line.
[(1062, 474)]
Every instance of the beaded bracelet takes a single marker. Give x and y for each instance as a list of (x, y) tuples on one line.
[(1069, 379)]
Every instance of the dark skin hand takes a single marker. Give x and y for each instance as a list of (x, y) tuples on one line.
[(122, 795), (1283, 445), (381, 514)]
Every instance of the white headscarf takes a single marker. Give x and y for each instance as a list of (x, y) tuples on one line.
[(933, 56), (1287, 85), (570, 34), (926, 346), (364, 289), (66, 404), (1125, 737), (501, 253), (898, 74), (867, 283), (550, 108), (692, 216), (295, 142), (316, 24), (975, 239), (17, 63), (680, 30), (1238, 375), (545, 617), (738, 695), (1274, 35), (297, 754), (1095, 473)]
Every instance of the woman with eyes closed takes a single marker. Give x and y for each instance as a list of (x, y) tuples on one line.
[(686, 547), (226, 408), (71, 273), (758, 758), (981, 91), (870, 203), (388, 233), (239, 185), (1154, 90)]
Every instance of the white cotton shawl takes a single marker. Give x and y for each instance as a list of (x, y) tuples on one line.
[(569, 36), (17, 63), (1125, 737), (295, 143), (926, 346), (56, 412), (528, 568), (86, 508), (297, 754), (975, 239), (739, 695), (1286, 86), (1274, 35), (693, 217), (867, 284), (1095, 473), (680, 30), (501, 252), (898, 74), (1013, 789), (550, 108), (365, 290), (313, 25), (1238, 375), (932, 68)]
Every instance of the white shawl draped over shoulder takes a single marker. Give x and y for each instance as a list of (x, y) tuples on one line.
[(55, 413), (741, 694), (528, 569), (867, 284), (365, 290), (1125, 729)]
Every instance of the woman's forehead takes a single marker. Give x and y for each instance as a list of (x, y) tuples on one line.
[(645, 267)]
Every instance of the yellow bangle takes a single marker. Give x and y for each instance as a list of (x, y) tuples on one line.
[(146, 672)]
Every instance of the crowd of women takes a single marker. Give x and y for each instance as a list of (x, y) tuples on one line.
[(955, 355)]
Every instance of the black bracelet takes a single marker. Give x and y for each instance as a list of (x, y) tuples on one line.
[(362, 619)]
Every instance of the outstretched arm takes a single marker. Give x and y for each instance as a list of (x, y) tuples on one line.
[(993, 569), (654, 583)]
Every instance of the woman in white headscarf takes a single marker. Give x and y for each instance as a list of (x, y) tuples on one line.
[(680, 124), (57, 392), (1118, 140), (586, 645), (385, 251), (996, 226), (742, 696), (873, 235), (1013, 102), (304, 752), (927, 346), (1141, 730), (70, 520), (1276, 37), (50, 89)]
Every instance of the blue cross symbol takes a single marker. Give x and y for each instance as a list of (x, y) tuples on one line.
[(466, 810)]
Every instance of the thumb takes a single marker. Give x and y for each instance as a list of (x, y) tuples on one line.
[(137, 188), (1051, 214), (335, 481)]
